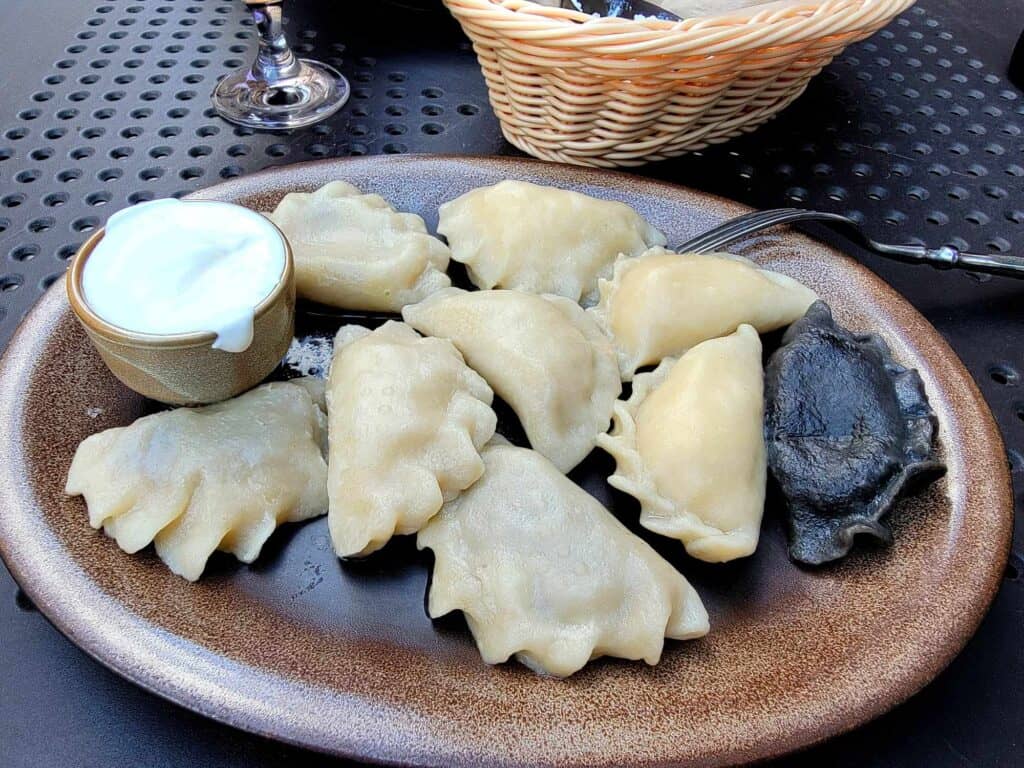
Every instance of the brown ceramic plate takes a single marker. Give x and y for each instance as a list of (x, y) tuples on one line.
[(342, 657)]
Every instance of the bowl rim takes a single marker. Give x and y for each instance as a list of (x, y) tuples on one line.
[(94, 323)]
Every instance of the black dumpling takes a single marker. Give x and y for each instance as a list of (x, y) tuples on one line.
[(847, 428)]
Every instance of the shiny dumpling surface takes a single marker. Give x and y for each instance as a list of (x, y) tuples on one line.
[(541, 354), (407, 421), (663, 303), (541, 239), (355, 251), (195, 480), (543, 571), (689, 445)]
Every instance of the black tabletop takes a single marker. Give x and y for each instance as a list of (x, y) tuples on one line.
[(917, 132)]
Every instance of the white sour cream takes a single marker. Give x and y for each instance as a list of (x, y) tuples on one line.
[(170, 267)]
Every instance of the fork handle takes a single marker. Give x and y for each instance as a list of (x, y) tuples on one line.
[(1006, 266), (946, 257)]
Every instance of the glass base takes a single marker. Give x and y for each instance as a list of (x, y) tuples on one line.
[(318, 91)]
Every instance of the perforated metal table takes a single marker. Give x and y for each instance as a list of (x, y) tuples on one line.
[(916, 132)]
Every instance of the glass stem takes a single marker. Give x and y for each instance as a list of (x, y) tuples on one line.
[(274, 58)]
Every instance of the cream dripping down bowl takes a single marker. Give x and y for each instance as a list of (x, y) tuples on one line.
[(166, 295)]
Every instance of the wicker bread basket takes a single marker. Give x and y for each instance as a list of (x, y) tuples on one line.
[(615, 92)]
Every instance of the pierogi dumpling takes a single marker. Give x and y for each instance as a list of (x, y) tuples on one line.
[(689, 445), (194, 480), (541, 354), (541, 570), (662, 303), (355, 251), (541, 239), (407, 421)]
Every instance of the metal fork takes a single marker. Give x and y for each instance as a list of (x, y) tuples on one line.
[(946, 257)]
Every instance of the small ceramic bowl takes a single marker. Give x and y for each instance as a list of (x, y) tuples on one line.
[(185, 369)]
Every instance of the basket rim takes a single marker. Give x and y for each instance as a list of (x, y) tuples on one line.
[(753, 27)]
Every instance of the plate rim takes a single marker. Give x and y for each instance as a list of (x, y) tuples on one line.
[(144, 669)]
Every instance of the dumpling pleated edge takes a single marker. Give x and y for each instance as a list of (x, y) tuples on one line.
[(630, 360), (601, 312), (499, 636), (469, 422), (659, 513), (134, 523), (565, 450)]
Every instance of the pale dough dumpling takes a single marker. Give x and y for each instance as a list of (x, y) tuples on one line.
[(407, 421), (355, 251), (662, 303), (541, 239), (543, 571), (689, 445), (195, 480), (541, 354)]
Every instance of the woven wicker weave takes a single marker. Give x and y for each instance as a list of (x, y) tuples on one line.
[(616, 92)]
